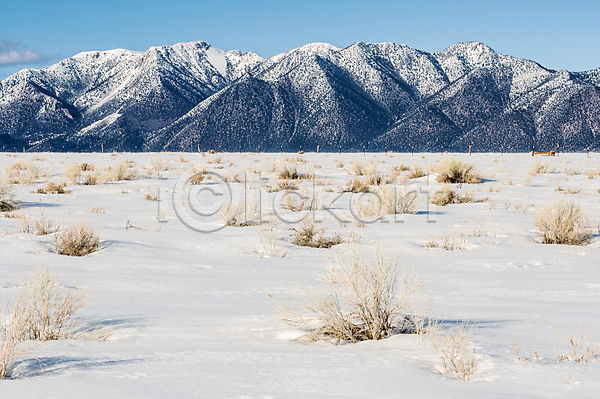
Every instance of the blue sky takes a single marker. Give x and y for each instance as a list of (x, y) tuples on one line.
[(557, 34)]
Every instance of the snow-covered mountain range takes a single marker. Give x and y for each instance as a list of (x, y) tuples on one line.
[(374, 95)]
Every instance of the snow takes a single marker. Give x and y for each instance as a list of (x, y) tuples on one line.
[(217, 58), (191, 316)]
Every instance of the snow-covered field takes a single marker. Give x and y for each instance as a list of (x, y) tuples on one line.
[(190, 312)]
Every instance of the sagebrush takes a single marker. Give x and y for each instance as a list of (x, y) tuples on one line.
[(47, 307), (563, 222), (79, 239), (361, 299), (452, 170)]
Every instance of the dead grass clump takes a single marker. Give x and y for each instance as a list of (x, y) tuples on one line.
[(23, 172), (241, 214), (54, 188), (97, 209), (579, 351), (416, 172), (356, 185), (268, 243), (79, 239), (12, 346), (400, 168), (568, 190), (158, 166), (540, 166), (84, 174), (398, 202), (123, 170), (563, 223), (361, 169), (39, 225), (362, 299), (198, 178), (47, 307), (308, 235), (7, 202), (444, 196), (452, 170), (303, 200), (450, 242), (459, 358), (292, 171)]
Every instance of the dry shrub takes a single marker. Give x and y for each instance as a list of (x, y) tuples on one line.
[(540, 166), (157, 166), (400, 168), (563, 223), (198, 178), (79, 239), (444, 196), (367, 210), (360, 169), (12, 346), (23, 172), (356, 185), (84, 174), (568, 190), (572, 171), (452, 170), (416, 172), (362, 299), (593, 173), (241, 214), (268, 242), (459, 358), (97, 209), (303, 200), (7, 203), (54, 188), (123, 170), (47, 307), (282, 185), (579, 351), (39, 225), (235, 176), (308, 235), (398, 202), (151, 197), (292, 170), (376, 179), (450, 242)]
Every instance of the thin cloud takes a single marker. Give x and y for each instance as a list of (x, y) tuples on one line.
[(13, 53)]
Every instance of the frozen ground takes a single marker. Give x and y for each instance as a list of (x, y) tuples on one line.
[(190, 312)]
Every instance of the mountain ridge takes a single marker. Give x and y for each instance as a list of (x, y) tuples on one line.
[(367, 95)]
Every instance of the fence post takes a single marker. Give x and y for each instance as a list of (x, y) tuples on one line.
[(317, 149), (469, 150)]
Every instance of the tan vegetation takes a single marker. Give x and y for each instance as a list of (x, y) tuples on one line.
[(452, 170), (362, 299), (79, 239), (563, 222)]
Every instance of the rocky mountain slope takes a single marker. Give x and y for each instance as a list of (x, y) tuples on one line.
[(367, 95)]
